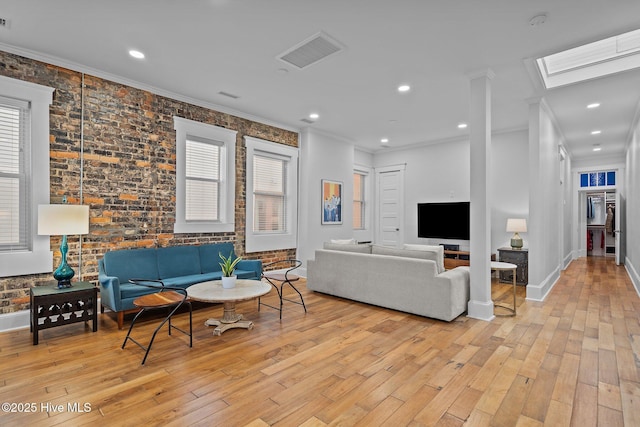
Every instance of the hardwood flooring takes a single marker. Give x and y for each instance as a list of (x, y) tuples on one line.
[(573, 360)]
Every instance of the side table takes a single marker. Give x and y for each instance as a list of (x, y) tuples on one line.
[(505, 266), (519, 257), (51, 307)]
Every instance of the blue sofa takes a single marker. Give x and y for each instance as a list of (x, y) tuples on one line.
[(180, 266)]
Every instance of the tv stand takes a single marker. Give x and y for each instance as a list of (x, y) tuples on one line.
[(453, 259)]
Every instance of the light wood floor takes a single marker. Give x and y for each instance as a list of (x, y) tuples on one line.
[(571, 360)]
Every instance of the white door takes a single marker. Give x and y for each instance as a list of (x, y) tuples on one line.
[(390, 206)]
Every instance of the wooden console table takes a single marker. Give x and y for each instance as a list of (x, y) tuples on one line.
[(453, 259), (51, 307)]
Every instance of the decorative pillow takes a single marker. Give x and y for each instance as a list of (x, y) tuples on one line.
[(363, 249), (438, 249), (344, 241)]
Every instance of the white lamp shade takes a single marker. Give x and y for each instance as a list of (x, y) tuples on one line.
[(58, 220), (517, 225)]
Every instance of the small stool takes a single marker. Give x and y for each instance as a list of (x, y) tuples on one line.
[(167, 297)]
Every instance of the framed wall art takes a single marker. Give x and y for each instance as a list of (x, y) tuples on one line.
[(331, 202)]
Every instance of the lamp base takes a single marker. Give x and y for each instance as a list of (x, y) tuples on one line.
[(64, 273), (516, 242)]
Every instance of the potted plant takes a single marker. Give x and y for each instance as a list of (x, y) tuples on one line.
[(228, 266)]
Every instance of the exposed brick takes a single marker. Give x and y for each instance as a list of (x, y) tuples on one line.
[(128, 175)]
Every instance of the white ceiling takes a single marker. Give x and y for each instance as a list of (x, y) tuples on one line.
[(195, 49)]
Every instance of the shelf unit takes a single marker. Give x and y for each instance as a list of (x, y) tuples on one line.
[(453, 259)]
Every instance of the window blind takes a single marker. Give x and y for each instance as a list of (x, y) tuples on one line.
[(269, 215), (202, 202), (15, 200)]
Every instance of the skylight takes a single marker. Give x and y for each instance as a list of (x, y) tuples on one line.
[(597, 59)]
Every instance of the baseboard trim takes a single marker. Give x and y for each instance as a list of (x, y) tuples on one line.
[(480, 310), (633, 274), (15, 320), (540, 291)]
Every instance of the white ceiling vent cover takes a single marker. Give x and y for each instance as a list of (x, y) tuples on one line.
[(312, 50)]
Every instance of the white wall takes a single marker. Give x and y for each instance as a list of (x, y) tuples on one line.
[(322, 157), (434, 173), (546, 207), (440, 173), (631, 198)]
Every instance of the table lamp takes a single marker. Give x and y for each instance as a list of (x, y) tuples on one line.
[(516, 225), (63, 220)]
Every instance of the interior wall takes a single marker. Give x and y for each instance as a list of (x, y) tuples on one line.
[(125, 169), (546, 211), (322, 157), (440, 173), (631, 198)]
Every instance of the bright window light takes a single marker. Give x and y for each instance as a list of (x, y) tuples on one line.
[(592, 60)]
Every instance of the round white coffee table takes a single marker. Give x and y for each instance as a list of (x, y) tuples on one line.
[(506, 266), (214, 292)]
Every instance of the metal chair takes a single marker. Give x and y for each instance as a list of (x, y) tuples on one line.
[(168, 297), (278, 280)]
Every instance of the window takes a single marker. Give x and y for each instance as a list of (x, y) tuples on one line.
[(592, 60), (272, 176), (268, 193), (205, 177), (202, 180), (24, 176), (15, 233), (598, 179), (358, 201)]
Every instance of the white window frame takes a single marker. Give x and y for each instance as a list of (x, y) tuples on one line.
[(260, 242), (365, 233), (227, 191), (364, 201), (40, 258)]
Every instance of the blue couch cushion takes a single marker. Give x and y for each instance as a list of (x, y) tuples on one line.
[(129, 290), (210, 256), (178, 261), (131, 264), (186, 281), (245, 274)]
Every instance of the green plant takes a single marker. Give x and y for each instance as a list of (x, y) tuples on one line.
[(228, 264)]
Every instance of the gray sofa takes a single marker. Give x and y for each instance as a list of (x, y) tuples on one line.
[(409, 280), (178, 266)]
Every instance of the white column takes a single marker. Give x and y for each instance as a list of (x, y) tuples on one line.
[(480, 303)]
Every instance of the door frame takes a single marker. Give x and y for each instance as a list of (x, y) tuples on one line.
[(401, 208)]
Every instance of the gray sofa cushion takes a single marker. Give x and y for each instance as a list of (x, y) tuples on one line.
[(364, 248), (434, 255)]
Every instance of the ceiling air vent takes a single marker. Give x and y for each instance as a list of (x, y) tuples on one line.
[(309, 121), (311, 50)]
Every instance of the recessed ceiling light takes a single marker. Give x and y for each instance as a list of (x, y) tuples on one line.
[(404, 88), (593, 105), (384, 140), (314, 116), (596, 132), (462, 125), (597, 148), (136, 54)]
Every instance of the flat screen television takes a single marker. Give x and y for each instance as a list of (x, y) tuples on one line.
[(448, 220)]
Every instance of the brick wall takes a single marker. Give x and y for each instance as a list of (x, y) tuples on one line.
[(127, 175)]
